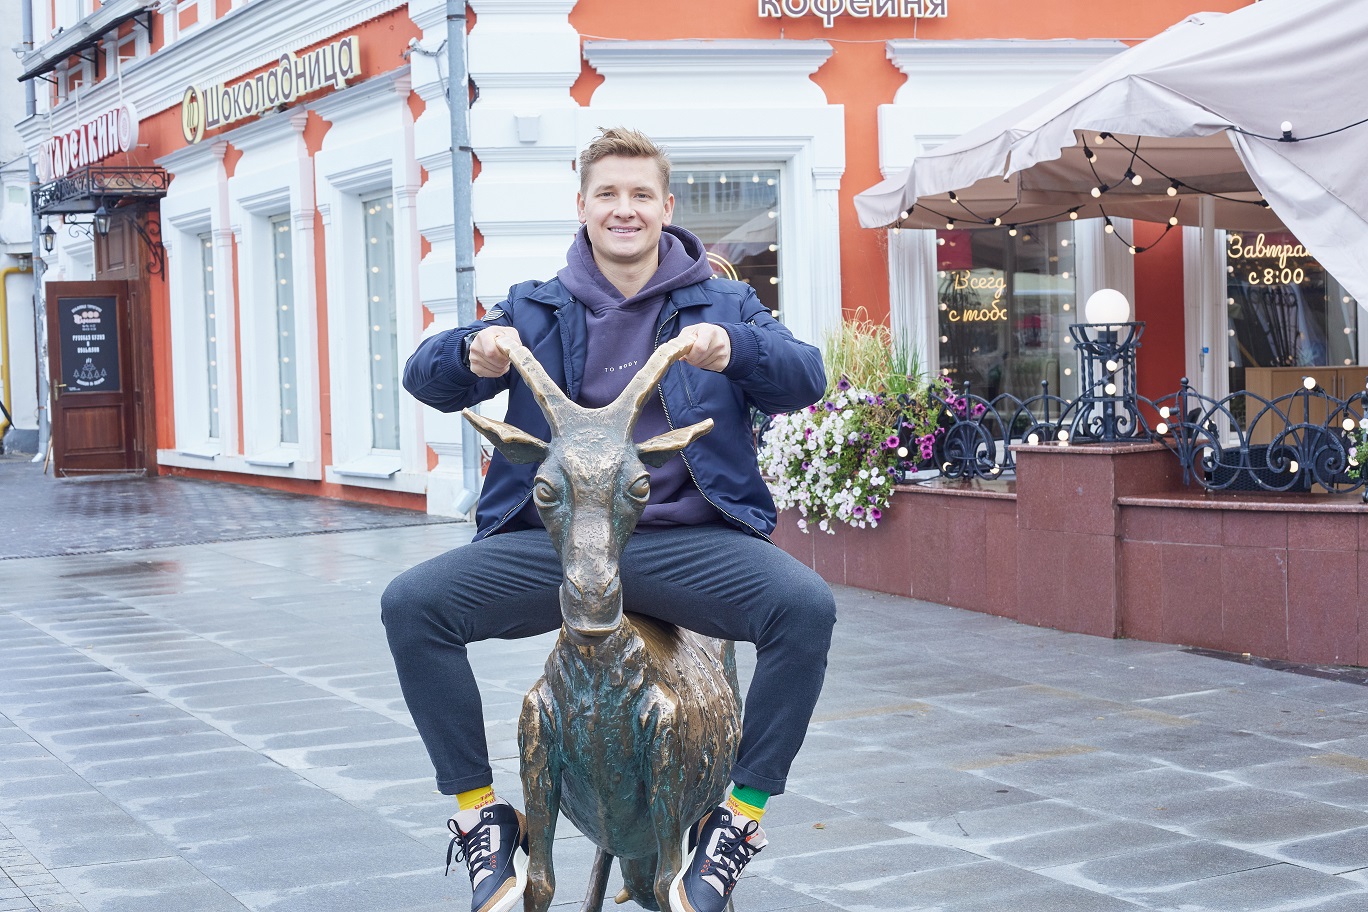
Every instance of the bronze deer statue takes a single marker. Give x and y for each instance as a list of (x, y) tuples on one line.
[(633, 727)]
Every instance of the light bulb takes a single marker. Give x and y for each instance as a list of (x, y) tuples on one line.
[(1173, 220), (1073, 215), (1096, 192), (1107, 305), (1109, 228), (1033, 439), (1164, 412), (1109, 389), (1161, 428), (997, 222), (1134, 178), (1309, 382), (1134, 250), (1293, 467), (902, 452), (1012, 232), (1173, 189), (1063, 436), (1112, 367), (903, 214), (950, 225)]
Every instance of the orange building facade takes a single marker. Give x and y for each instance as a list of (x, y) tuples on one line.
[(306, 215)]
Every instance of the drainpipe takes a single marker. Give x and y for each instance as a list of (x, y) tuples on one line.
[(4, 345), (462, 167), (39, 267)]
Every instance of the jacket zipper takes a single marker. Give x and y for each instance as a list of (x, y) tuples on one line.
[(670, 421)]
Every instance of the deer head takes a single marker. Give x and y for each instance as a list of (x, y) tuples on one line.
[(592, 483)]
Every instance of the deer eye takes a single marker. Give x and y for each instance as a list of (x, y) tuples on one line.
[(544, 493), (641, 488)]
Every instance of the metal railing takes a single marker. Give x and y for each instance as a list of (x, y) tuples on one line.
[(1243, 442)]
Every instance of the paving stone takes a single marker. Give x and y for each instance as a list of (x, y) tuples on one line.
[(1086, 767), (1271, 887)]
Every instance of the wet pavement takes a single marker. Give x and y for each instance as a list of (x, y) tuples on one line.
[(42, 516), (216, 726)]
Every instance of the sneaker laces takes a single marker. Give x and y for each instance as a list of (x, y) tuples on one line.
[(730, 853), (473, 848)]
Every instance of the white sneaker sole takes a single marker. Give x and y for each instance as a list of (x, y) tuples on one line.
[(513, 896)]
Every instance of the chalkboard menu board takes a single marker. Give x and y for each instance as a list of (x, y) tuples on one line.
[(89, 330)]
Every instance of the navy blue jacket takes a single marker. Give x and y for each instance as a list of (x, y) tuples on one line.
[(769, 370)]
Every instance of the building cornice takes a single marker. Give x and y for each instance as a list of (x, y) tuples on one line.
[(211, 55)]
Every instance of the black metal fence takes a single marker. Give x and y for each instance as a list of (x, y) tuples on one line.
[(1243, 442)]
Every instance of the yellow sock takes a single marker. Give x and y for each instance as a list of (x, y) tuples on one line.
[(737, 803), (475, 798)]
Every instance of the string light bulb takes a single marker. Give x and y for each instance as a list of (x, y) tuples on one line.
[(1109, 227), (1173, 220), (1099, 190), (997, 222), (1092, 157), (1134, 178), (1173, 188), (1012, 231), (954, 197), (1287, 131), (1073, 214), (903, 214), (950, 225)]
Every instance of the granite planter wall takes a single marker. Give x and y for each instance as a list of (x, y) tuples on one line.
[(1106, 540)]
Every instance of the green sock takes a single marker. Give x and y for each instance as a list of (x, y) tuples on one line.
[(747, 801)]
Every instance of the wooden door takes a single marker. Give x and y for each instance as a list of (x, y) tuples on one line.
[(93, 419)]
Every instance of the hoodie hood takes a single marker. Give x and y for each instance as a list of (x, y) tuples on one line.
[(683, 261)]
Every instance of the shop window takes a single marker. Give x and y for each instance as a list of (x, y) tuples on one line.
[(286, 361), (206, 251), (1006, 300), (1284, 309), (383, 312), (735, 213)]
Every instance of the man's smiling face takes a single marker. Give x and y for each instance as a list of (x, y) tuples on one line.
[(624, 206)]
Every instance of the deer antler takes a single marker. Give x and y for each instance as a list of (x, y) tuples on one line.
[(554, 403), (639, 388)]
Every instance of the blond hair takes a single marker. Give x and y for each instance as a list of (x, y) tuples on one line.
[(625, 143)]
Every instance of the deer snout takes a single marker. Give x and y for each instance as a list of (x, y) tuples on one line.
[(591, 607)]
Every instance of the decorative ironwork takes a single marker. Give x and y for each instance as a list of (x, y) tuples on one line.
[(88, 188), (632, 729), (1107, 408), (150, 232), (1292, 443)]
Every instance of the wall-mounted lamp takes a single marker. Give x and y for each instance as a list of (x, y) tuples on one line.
[(102, 221), (49, 238)]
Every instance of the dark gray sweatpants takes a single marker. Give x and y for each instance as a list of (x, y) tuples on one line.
[(714, 580)]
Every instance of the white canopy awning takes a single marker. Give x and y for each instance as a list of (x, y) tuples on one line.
[(1203, 104)]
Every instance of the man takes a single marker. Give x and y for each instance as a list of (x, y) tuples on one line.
[(700, 557)]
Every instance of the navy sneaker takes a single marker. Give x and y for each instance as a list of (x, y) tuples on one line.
[(494, 848), (715, 851)]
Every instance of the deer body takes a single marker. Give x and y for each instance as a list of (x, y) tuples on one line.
[(633, 727)]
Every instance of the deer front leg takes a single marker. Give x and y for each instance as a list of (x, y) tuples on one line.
[(667, 783), (539, 746)]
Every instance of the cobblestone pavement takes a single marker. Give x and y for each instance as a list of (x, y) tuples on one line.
[(42, 516), (217, 726)]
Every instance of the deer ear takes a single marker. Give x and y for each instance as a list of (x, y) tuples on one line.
[(658, 450), (517, 446)]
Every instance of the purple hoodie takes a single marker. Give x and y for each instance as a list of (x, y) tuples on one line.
[(620, 333)]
